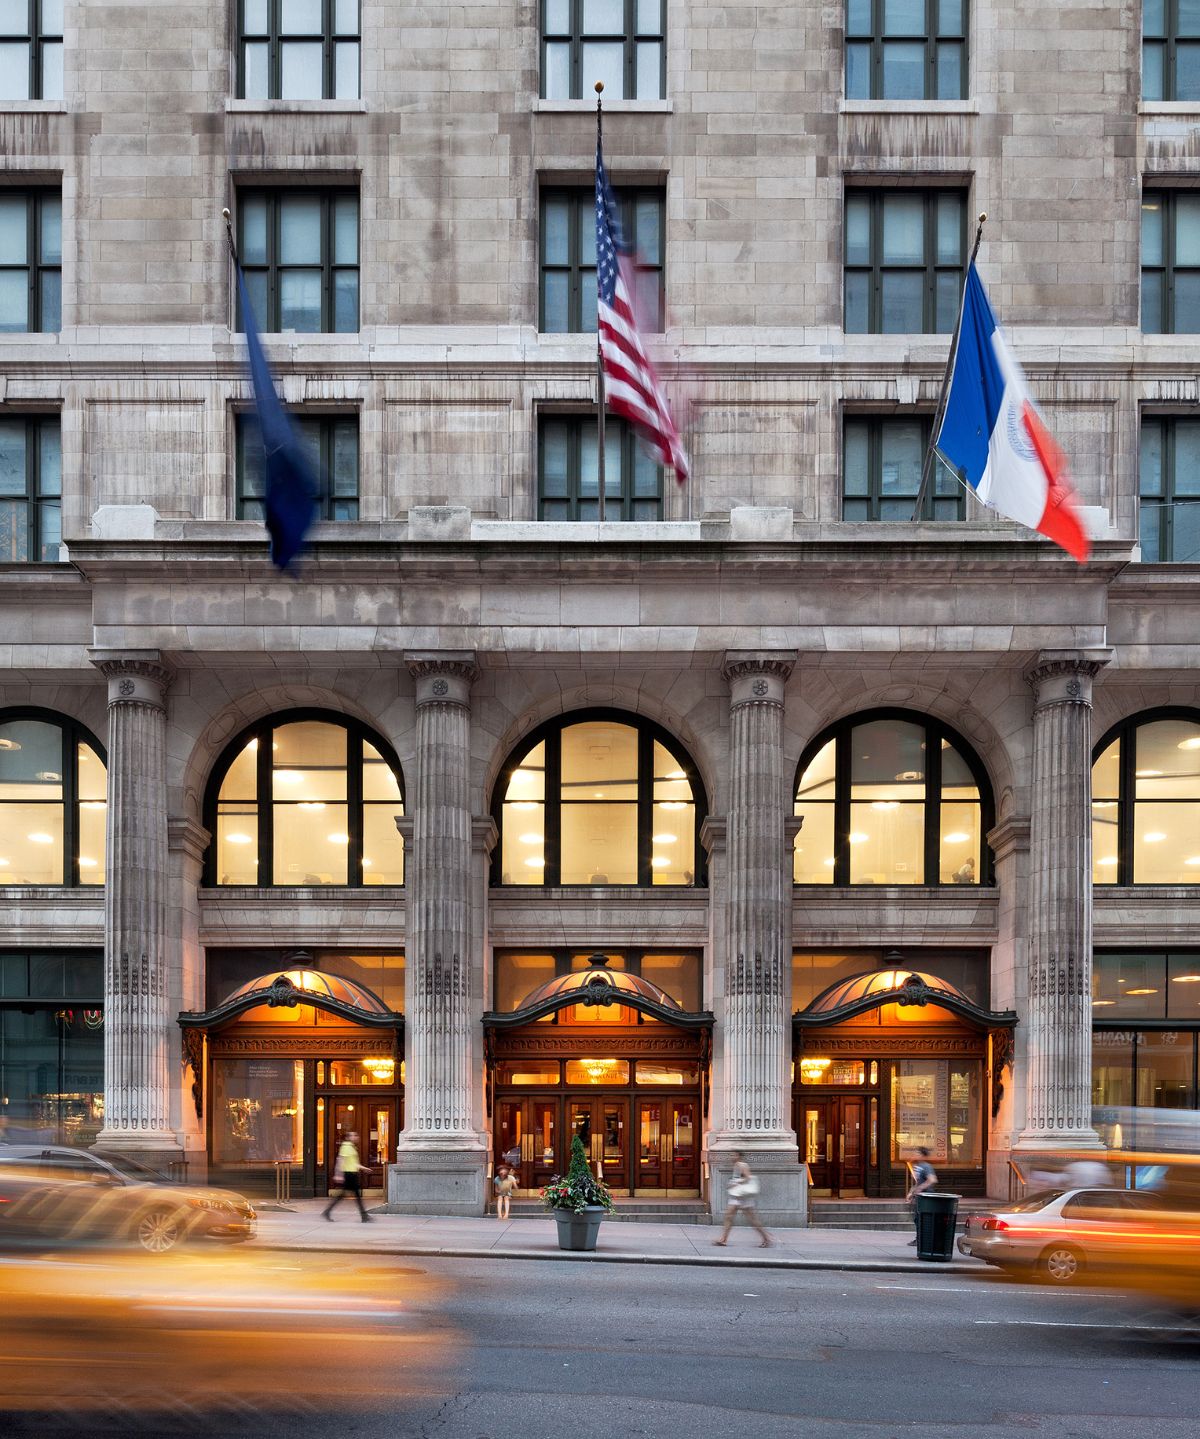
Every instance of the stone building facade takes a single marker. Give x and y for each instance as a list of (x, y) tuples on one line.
[(446, 619)]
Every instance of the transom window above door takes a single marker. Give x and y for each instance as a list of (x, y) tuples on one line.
[(305, 798), (889, 798), (601, 798), (620, 42)]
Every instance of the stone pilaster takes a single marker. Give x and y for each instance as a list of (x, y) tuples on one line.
[(755, 1075), (138, 1081), (1058, 1020), (440, 1158)]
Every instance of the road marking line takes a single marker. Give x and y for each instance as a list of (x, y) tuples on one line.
[(970, 1289), (1067, 1324)]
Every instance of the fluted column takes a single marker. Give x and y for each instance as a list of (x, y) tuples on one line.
[(439, 1164), (1058, 1018), (756, 1048), (137, 1013)]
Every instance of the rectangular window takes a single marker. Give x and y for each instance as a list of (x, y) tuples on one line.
[(904, 261), (30, 261), (31, 50), (30, 489), (298, 49), (332, 444), (299, 253), (881, 472), (1170, 50), (1171, 262), (568, 258), (568, 480), (1169, 490), (621, 42), (906, 49)]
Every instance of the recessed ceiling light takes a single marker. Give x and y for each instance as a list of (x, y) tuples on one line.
[(312, 804), (85, 863), (665, 838), (338, 838), (1100, 1003), (676, 774), (859, 838), (40, 838), (1141, 991), (289, 776), (1104, 803), (4, 863), (6, 743), (525, 806), (1148, 773), (1178, 979), (536, 861), (366, 864), (675, 804), (598, 794), (94, 804), (237, 839), (532, 838), (1107, 861), (51, 776), (907, 774), (1193, 859), (1155, 836), (1193, 743), (828, 863), (885, 804), (660, 861), (957, 837)]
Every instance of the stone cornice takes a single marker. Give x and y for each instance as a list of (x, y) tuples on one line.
[(1010, 835), (712, 834), (484, 833), (188, 836)]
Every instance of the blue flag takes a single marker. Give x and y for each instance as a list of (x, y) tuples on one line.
[(291, 485)]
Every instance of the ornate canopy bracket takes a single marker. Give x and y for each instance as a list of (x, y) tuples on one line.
[(1003, 1045)]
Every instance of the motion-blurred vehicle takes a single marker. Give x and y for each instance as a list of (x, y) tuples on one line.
[(1061, 1235), (53, 1195)]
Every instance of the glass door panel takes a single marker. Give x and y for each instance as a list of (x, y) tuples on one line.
[(850, 1144), (817, 1143), (614, 1142), (649, 1166), (684, 1170), (542, 1142), (379, 1142)]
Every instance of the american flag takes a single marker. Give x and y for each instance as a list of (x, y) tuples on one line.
[(631, 386)]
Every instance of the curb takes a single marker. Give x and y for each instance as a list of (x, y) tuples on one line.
[(854, 1266)]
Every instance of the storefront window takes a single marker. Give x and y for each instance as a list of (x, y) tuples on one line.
[(1112, 1069), (529, 1071), (1166, 1069), (680, 1073), (258, 1111), (358, 1072), (936, 1105), (815, 1070)]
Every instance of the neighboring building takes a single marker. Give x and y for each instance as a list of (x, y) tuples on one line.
[(483, 768)]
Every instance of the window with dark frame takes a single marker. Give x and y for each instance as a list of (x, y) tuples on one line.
[(598, 797), (904, 261), (891, 797), (31, 50), (882, 459), (30, 261), (305, 797), (30, 489), (299, 254), (568, 257), (1171, 262), (332, 444), (299, 49), (1170, 50), (1169, 490), (621, 42), (568, 482), (1146, 800), (53, 800), (906, 49)]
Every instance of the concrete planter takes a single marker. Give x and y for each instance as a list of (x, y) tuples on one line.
[(579, 1231)]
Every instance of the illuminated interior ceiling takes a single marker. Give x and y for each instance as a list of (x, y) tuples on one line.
[(624, 986)]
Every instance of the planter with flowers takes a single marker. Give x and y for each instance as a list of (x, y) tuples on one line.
[(579, 1202)]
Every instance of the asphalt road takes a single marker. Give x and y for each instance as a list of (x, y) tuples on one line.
[(483, 1350)]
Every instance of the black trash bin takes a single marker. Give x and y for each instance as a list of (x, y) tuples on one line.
[(937, 1216)]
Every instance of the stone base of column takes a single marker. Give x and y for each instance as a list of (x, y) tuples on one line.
[(775, 1162), (1037, 1141), (442, 1180), (156, 1150)]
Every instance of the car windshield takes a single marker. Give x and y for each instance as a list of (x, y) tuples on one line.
[(131, 1169), (1033, 1202)]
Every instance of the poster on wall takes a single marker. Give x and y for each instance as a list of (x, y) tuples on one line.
[(920, 1108)]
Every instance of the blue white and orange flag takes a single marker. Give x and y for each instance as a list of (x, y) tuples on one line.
[(631, 386), (993, 435)]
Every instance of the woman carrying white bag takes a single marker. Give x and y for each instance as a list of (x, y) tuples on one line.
[(742, 1192)]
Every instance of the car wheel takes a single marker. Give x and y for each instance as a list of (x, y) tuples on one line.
[(157, 1230), (1061, 1264)]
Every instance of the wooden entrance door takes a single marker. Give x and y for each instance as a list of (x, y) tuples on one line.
[(603, 1125), (375, 1121), (667, 1156), (832, 1135), (528, 1137)]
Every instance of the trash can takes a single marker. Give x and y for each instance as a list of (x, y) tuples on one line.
[(937, 1215)]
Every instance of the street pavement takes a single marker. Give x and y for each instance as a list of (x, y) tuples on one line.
[(301, 1227), (541, 1351)]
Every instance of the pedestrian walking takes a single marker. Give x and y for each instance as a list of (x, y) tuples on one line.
[(742, 1192), (506, 1186), (924, 1178), (347, 1172)]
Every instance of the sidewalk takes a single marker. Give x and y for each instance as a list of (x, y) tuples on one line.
[(416, 1235)]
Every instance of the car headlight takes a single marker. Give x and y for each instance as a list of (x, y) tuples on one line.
[(218, 1205)]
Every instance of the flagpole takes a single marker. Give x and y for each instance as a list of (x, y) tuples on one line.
[(599, 358), (927, 467)]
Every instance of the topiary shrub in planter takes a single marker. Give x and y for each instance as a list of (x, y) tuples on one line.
[(579, 1202)]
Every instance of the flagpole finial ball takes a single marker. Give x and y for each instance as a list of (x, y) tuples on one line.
[(599, 87), (225, 215), (982, 216)]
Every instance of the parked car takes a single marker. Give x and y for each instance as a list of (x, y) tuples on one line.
[(1062, 1234), (55, 1195)]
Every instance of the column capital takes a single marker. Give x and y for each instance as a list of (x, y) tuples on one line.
[(1065, 676), (443, 676), (757, 676), (137, 677)]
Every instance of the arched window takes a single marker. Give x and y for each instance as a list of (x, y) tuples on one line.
[(598, 798), (305, 797), (1146, 800), (892, 797), (53, 800)]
